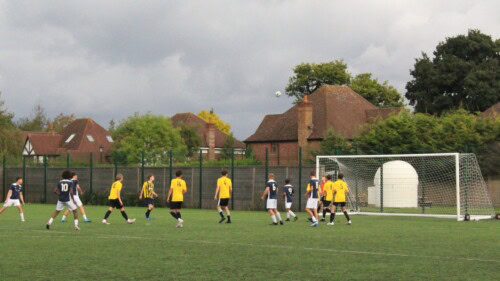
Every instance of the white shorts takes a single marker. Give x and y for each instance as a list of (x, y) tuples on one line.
[(288, 205), (70, 205), (78, 202), (312, 203), (272, 204), (11, 202)]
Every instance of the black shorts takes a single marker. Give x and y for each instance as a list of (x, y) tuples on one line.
[(115, 203), (149, 201), (342, 204), (223, 202), (175, 205), (326, 203)]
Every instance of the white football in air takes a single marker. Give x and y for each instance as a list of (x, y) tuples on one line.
[(278, 94)]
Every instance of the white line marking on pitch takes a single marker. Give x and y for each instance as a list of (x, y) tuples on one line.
[(112, 236)]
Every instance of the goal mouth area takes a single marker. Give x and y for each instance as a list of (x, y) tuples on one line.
[(433, 185)]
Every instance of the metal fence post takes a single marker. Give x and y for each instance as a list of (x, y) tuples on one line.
[(300, 178), (232, 178), (142, 167), (67, 160), (423, 186), (170, 168), (201, 179), (356, 182), (45, 179), (91, 172), (115, 161), (382, 183), (4, 175), (24, 178)]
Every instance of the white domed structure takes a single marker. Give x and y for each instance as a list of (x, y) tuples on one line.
[(400, 186)]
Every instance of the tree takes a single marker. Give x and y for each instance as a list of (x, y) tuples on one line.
[(381, 95), (308, 77), (61, 121), (465, 72), (228, 146), (211, 116), (152, 134), (36, 122), (112, 126), (10, 144), (191, 138)]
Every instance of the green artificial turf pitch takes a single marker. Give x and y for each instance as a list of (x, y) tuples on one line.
[(373, 248)]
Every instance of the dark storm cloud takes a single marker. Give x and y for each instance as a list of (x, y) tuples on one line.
[(109, 59)]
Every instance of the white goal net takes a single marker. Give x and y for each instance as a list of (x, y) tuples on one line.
[(446, 185)]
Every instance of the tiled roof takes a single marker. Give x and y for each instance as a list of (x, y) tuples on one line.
[(52, 144), (334, 107), (492, 111), (190, 119)]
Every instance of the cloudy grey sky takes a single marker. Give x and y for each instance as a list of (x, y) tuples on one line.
[(109, 59)]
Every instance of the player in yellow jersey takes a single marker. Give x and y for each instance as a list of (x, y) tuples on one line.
[(177, 190), (340, 191), (115, 200), (148, 192), (224, 190), (327, 195)]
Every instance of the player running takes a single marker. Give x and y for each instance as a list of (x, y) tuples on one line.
[(272, 199), (340, 190), (177, 190), (148, 192), (77, 190), (327, 196), (13, 196), (224, 189), (312, 201), (115, 200), (321, 194), (64, 190), (288, 196)]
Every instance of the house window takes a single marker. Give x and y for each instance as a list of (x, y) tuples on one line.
[(70, 138), (90, 138), (110, 139)]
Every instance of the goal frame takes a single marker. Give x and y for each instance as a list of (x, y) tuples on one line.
[(456, 156)]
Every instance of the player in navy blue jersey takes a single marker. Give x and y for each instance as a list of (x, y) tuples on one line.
[(288, 196), (64, 190), (15, 197), (312, 201), (272, 199), (77, 190)]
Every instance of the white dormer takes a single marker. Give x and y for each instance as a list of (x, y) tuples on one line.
[(109, 138), (90, 138)]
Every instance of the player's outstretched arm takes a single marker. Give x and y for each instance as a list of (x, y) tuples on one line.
[(72, 195), (140, 195), (169, 194), (265, 193), (56, 191), (21, 196), (154, 194), (8, 195), (79, 189), (216, 192)]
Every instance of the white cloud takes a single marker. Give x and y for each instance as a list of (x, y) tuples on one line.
[(109, 59)]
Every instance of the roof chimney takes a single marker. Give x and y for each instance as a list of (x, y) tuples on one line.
[(304, 121), (51, 129), (211, 140)]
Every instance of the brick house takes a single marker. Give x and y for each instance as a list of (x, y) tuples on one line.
[(78, 139), (212, 139), (305, 124)]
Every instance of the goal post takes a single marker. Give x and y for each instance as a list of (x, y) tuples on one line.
[(446, 185)]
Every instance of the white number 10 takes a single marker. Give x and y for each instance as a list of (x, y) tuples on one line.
[(64, 187)]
